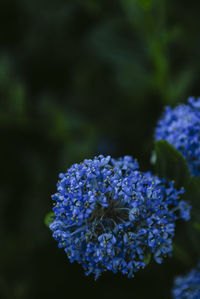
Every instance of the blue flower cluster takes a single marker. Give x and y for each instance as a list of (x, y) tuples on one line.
[(111, 216), (181, 128), (187, 287)]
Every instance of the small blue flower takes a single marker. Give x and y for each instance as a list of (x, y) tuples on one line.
[(181, 128), (111, 216), (188, 286)]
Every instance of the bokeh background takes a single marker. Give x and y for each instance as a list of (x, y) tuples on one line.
[(79, 78)]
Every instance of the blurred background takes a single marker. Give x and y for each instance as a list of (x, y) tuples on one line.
[(79, 78)]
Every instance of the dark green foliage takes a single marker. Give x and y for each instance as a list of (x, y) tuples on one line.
[(193, 192), (171, 164), (193, 229)]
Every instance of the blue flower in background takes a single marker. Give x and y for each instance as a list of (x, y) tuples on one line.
[(111, 216), (188, 286), (181, 128)]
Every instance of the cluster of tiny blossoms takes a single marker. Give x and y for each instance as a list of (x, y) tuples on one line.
[(181, 128), (111, 216), (187, 287)]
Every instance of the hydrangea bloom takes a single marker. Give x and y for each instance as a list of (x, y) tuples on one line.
[(181, 128), (111, 216), (187, 287)]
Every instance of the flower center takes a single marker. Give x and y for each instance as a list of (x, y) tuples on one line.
[(115, 213)]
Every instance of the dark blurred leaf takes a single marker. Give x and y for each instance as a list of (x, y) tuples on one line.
[(192, 235), (193, 191), (171, 164), (192, 232), (196, 226), (180, 254), (179, 85)]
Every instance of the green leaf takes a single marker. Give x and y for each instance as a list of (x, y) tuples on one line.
[(147, 258), (48, 219), (170, 164)]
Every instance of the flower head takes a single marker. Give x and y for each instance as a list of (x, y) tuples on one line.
[(188, 286), (111, 216), (181, 128)]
